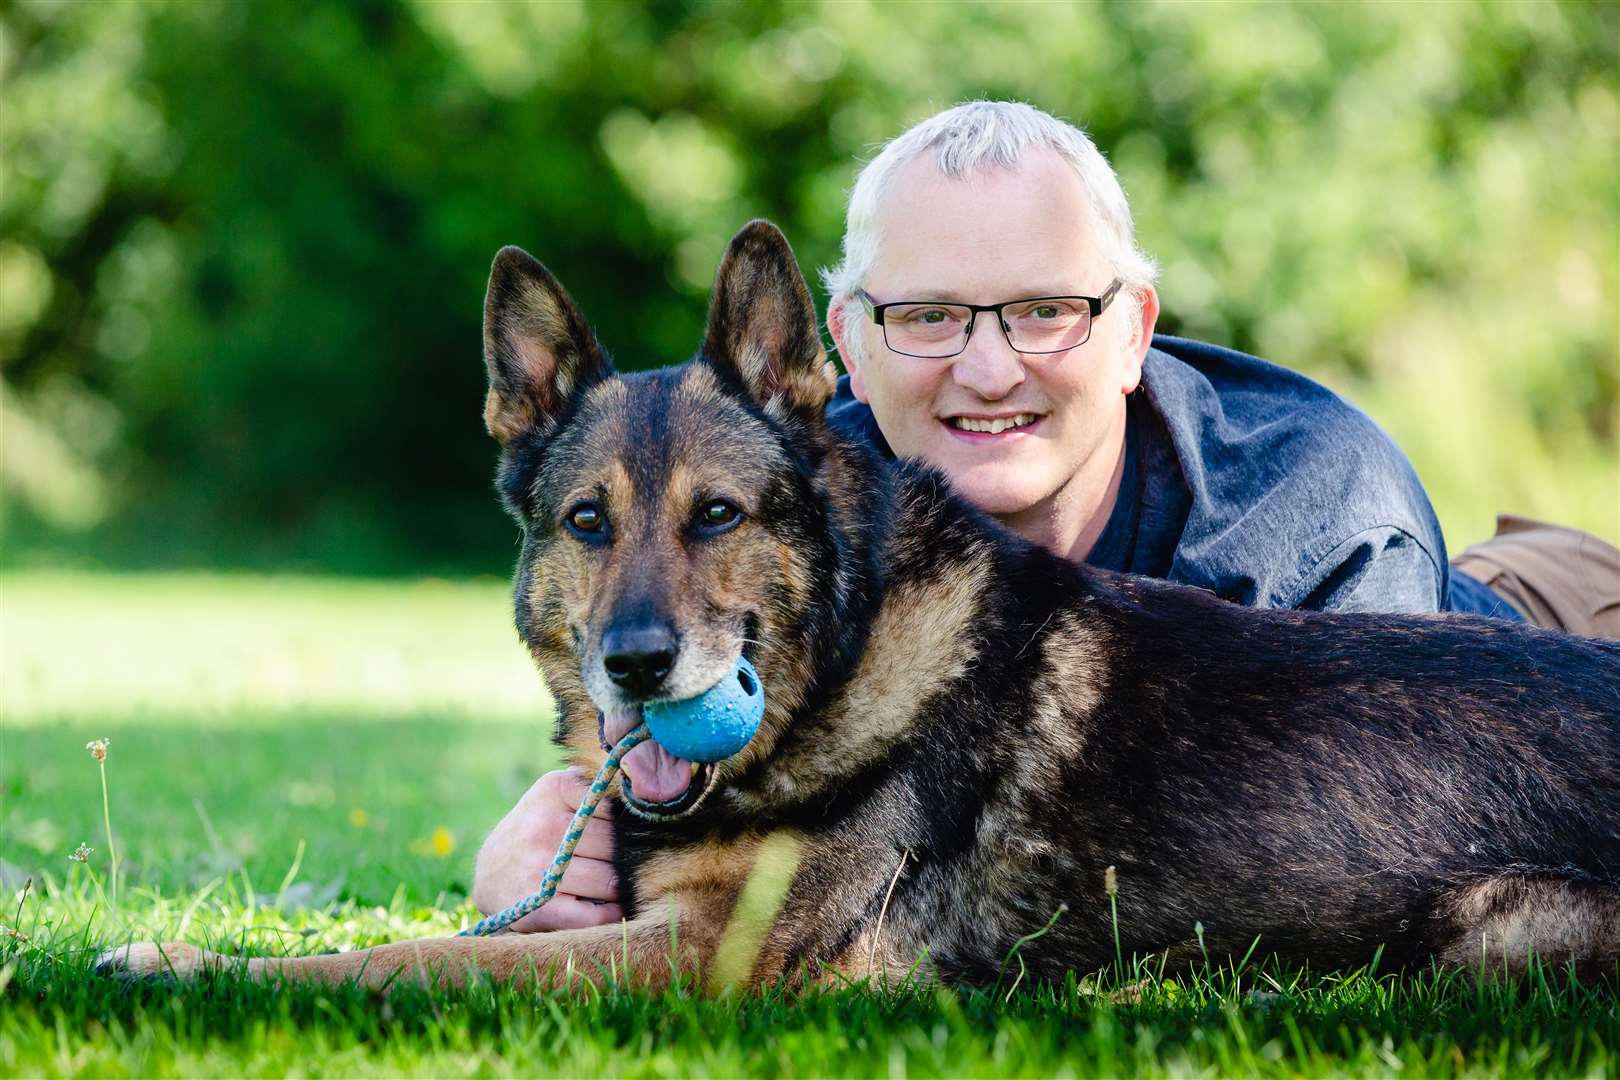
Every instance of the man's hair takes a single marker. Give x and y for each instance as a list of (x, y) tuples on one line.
[(983, 134)]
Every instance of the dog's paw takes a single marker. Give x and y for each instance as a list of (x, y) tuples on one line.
[(150, 960)]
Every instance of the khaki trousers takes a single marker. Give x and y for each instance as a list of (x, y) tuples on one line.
[(1554, 576)]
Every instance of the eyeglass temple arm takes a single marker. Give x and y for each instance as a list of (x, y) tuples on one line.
[(873, 312), (1107, 297)]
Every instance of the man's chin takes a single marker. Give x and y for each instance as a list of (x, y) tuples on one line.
[(1000, 480), (1000, 492)]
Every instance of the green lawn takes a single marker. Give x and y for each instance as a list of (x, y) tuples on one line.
[(305, 764)]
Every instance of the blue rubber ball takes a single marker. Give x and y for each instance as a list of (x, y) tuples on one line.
[(715, 724)]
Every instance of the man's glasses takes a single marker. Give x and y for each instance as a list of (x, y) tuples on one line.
[(934, 330)]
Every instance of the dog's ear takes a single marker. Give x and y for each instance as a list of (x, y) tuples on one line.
[(537, 347), (762, 324)]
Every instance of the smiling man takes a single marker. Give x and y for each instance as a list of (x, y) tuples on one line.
[(1025, 412), (996, 318)]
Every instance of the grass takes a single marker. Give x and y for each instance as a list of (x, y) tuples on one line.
[(300, 765)]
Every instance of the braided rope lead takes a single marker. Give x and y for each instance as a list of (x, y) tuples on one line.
[(565, 851)]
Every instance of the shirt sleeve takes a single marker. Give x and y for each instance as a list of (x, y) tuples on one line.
[(1382, 569)]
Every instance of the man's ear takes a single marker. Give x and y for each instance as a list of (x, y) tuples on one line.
[(1136, 350), (846, 341), (762, 324), (537, 348)]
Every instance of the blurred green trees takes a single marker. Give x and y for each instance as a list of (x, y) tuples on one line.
[(243, 246)]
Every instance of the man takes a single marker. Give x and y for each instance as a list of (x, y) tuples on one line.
[(996, 319)]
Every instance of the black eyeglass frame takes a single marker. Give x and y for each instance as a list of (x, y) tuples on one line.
[(1095, 304)]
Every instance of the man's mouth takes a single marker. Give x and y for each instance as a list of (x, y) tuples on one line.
[(992, 425), (655, 781)]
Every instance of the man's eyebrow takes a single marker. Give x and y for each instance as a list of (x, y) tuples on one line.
[(951, 295), (956, 296)]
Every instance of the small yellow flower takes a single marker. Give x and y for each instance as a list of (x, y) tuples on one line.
[(98, 748), (439, 845), (81, 853), (359, 818)]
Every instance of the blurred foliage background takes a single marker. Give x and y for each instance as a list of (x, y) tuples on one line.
[(243, 245)]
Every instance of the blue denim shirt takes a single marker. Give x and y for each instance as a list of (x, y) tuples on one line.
[(1266, 488)]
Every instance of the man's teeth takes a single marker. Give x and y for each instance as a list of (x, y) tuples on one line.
[(993, 427)]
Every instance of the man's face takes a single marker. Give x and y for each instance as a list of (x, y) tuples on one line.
[(997, 235)]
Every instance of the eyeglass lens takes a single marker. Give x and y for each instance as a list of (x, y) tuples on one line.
[(936, 330)]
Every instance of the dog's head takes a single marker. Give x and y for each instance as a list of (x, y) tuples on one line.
[(671, 520)]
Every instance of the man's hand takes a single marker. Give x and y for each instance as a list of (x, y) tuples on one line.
[(519, 850)]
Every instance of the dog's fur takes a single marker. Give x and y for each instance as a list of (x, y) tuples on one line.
[(963, 731)]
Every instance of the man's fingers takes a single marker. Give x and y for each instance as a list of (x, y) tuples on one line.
[(595, 843), (548, 824), (515, 856), (561, 798), (585, 880), (567, 912), (591, 879), (570, 790)]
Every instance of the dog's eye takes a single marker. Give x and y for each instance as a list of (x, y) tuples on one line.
[(585, 519), (718, 514)]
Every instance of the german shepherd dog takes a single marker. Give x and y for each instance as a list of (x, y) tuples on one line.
[(966, 735)]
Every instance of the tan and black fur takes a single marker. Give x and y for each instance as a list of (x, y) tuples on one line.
[(964, 731)]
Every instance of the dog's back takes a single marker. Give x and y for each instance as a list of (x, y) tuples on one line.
[(1327, 783)]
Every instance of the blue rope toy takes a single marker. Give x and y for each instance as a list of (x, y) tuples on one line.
[(711, 726)]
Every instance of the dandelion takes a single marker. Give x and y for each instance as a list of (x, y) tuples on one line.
[(439, 844), (359, 818), (81, 853), (98, 751)]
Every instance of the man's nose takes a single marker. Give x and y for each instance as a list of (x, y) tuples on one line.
[(989, 366), (637, 655)]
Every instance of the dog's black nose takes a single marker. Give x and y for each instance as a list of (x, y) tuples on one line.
[(639, 657)]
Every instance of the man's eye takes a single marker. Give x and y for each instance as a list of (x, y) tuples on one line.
[(928, 316), (718, 513), (1046, 311), (585, 519)]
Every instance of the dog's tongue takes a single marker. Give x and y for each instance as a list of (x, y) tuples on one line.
[(655, 774)]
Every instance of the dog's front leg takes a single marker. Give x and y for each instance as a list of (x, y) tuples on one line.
[(646, 951)]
